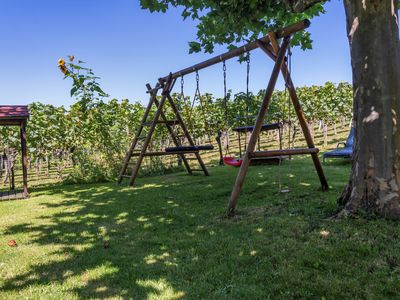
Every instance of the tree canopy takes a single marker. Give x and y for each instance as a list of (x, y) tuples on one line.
[(236, 21)]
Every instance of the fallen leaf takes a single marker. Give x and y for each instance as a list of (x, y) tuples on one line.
[(12, 243)]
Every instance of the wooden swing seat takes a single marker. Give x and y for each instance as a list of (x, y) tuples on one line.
[(264, 127), (272, 155), (285, 152), (232, 161), (237, 162), (189, 148), (273, 160)]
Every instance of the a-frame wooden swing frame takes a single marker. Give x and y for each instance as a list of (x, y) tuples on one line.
[(269, 44)]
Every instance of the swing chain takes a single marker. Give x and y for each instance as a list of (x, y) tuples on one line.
[(247, 85), (288, 73), (290, 143), (197, 95), (182, 84), (197, 79), (225, 94), (225, 133)]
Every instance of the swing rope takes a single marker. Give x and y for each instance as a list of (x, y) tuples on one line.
[(289, 122), (225, 96), (188, 107), (247, 87), (247, 96), (229, 159), (184, 103), (197, 96), (225, 132)]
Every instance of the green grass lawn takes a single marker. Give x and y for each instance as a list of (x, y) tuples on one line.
[(169, 239)]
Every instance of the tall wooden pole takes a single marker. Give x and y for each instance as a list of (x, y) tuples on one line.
[(257, 128)]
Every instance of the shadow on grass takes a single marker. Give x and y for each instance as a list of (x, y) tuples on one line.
[(132, 234), (167, 238)]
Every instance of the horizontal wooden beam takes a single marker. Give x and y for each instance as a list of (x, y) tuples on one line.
[(167, 122), (12, 122), (162, 153), (299, 151), (287, 31)]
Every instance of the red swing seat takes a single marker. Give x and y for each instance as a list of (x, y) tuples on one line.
[(232, 161)]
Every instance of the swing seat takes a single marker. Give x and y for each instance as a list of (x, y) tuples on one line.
[(189, 148), (232, 161), (264, 127)]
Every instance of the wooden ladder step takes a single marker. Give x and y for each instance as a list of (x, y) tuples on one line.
[(299, 151), (167, 122), (135, 154), (140, 138)]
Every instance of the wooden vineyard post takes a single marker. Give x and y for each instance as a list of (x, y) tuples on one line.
[(221, 155), (24, 158), (257, 128)]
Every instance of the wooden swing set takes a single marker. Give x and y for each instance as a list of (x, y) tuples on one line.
[(277, 52)]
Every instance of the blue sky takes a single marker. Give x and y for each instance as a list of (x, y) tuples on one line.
[(128, 47)]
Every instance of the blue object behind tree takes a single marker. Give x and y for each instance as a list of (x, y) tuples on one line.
[(345, 152)]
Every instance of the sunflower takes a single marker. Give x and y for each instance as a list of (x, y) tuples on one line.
[(63, 69), (61, 62), (71, 58)]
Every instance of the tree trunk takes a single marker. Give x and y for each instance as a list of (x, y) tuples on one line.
[(374, 44), (47, 166)]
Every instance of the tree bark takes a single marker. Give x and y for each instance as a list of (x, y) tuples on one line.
[(373, 34)]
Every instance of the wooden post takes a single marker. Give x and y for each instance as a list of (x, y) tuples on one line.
[(24, 158), (240, 144), (257, 128), (12, 178), (300, 115), (221, 156)]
